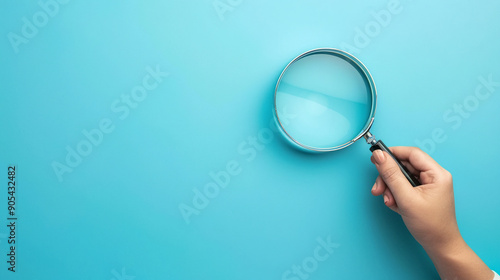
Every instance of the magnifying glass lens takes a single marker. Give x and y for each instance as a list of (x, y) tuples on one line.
[(323, 101)]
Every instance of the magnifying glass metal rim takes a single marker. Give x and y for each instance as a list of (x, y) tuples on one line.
[(349, 58), (370, 139)]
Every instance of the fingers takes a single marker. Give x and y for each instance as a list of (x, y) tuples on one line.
[(416, 157), (410, 168), (389, 200), (392, 176), (379, 187), (431, 176)]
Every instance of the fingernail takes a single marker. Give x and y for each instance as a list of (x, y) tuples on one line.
[(386, 199), (374, 186), (379, 156)]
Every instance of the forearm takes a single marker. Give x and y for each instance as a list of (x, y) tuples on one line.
[(457, 261)]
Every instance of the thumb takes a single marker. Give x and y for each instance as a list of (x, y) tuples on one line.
[(392, 175)]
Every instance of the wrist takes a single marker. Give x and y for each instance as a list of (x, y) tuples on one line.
[(454, 259), (447, 248)]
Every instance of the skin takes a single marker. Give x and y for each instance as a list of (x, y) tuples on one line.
[(428, 211)]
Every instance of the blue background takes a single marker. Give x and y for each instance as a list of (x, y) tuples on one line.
[(116, 215)]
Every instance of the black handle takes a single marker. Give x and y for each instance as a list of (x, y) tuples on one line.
[(379, 145)]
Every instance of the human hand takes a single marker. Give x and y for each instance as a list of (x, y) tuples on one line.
[(428, 211)]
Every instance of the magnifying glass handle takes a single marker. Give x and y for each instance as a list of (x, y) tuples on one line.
[(379, 145)]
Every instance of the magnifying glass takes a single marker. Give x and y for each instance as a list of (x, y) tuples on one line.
[(332, 99)]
